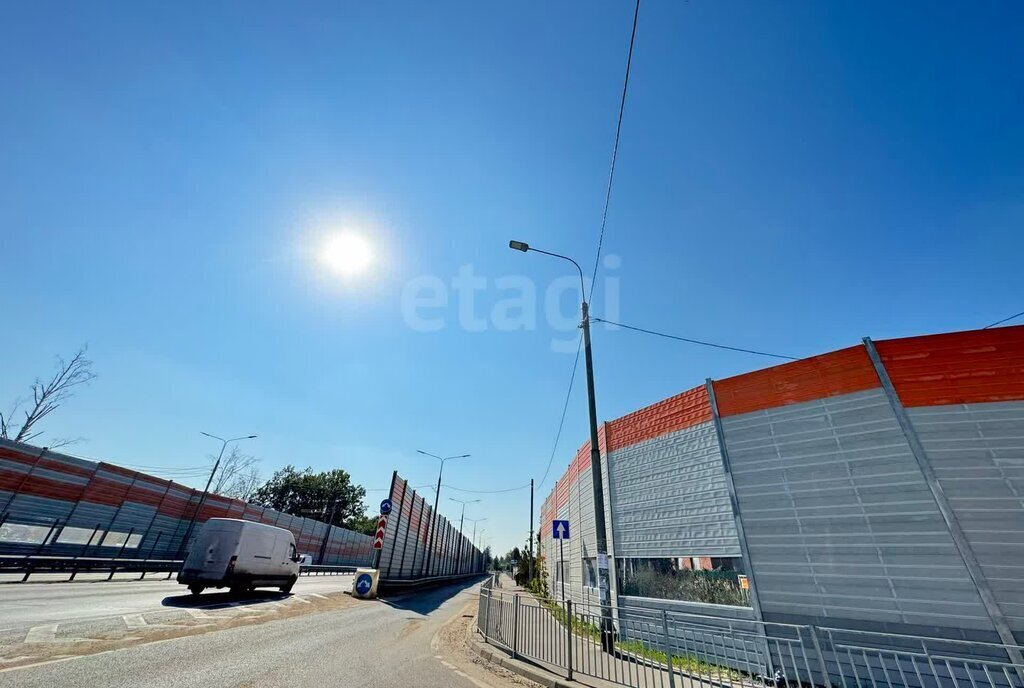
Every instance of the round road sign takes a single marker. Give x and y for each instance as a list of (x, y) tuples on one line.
[(364, 583), (385, 506)]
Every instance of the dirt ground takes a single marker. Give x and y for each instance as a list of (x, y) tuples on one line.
[(451, 645)]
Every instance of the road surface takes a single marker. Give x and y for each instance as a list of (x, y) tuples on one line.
[(386, 643), (32, 604)]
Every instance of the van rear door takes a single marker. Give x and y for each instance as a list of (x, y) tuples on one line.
[(214, 547)]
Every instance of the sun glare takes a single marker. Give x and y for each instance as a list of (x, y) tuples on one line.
[(346, 254)]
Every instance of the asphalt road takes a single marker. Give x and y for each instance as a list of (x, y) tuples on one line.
[(31, 604), (384, 643)]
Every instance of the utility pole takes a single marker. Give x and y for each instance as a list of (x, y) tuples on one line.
[(530, 580), (607, 628)]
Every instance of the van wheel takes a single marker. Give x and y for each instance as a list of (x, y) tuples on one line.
[(288, 588), (196, 589)]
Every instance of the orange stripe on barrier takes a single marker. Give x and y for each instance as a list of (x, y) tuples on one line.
[(669, 415), (956, 368), (829, 375)]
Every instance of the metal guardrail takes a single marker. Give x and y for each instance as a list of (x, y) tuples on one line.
[(29, 564), (323, 570), (395, 585), (659, 648)]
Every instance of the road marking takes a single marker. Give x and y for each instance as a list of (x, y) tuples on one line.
[(316, 594), (133, 621), (42, 634), (299, 599)]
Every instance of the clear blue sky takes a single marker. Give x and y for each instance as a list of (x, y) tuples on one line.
[(792, 177)]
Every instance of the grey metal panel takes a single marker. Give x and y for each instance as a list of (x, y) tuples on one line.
[(670, 497), (30, 509), (715, 633), (839, 520), (977, 454), (133, 516)]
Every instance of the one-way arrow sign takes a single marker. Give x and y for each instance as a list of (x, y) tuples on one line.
[(560, 530)]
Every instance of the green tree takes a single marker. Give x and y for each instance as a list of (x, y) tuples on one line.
[(367, 525), (327, 496)]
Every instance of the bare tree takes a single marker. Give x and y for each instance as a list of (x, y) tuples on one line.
[(244, 484), (233, 469), (46, 398)]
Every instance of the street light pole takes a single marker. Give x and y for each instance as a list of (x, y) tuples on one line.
[(474, 521), (206, 490), (437, 495), (462, 519), (607, 628)]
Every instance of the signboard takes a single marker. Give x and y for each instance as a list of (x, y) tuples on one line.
[(385, 507), (378, 539), (363, 583), (560, 529), (744, 582)]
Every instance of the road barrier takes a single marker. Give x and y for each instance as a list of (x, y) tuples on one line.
[(419, 545), (26, 565), (669, 649), (30, 564), (63, 506), (399, 585)]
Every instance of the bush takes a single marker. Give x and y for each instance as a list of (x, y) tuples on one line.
[(711, 587)]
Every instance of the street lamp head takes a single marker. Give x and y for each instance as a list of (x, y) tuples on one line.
[(251, 437), (519, 245)]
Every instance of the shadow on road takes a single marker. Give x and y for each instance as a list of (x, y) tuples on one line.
[(425, 601), (220, 600)]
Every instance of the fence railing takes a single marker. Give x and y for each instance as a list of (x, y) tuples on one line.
[(661, 648)]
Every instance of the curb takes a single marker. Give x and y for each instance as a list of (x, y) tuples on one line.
[(527, 671)]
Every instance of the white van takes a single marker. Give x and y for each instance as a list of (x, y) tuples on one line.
[(240, 555)]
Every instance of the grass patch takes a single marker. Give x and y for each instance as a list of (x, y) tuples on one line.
[(688, 664)]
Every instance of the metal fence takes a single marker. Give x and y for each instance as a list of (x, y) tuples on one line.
[(659, 648)]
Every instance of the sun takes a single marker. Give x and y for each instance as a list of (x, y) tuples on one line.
[(346, 254)]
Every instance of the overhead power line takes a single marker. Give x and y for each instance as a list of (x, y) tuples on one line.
[(508, 489), (565, 408), (1000, 322), (696, 341), (615, 146), (600, 238)]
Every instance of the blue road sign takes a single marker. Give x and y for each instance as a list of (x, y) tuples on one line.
[(560, 530), (385, 507), (364, 583)]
